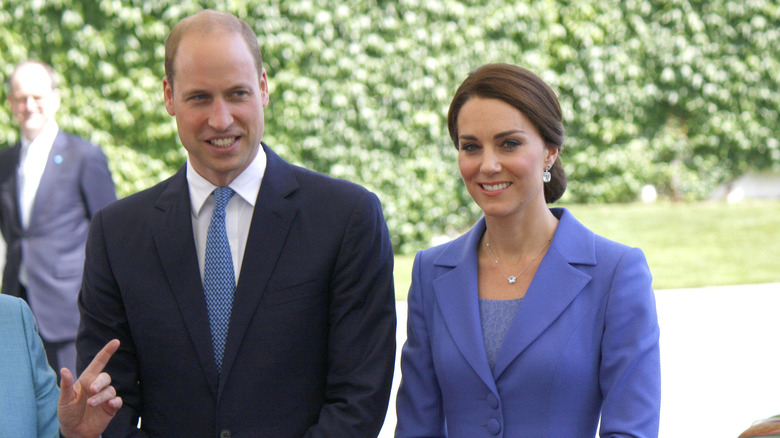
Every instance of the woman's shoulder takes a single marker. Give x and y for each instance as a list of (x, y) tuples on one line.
[(11, 307), (583, 246), (572, 227)]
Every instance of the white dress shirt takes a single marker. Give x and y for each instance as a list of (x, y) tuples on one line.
[(32, 162), (238, 212)]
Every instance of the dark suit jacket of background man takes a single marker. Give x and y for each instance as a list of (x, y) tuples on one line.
[(311, 344), (75, 184)]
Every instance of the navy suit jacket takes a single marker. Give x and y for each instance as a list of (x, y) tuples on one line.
[(584, 342), (75, 184), (311, 344)]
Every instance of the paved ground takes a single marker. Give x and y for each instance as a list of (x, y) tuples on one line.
[(720, 359)]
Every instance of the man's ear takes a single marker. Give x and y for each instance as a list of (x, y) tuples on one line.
[(168, 95), (265, 97)]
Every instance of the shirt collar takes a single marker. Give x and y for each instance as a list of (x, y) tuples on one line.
[(246, 184)]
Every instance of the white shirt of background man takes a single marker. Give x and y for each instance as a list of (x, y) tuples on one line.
[(32, 161)]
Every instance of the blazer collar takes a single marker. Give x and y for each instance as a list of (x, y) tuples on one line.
[(556, 283), (456, 293)]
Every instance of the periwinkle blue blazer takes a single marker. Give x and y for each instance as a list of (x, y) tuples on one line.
[(583, 347), (28, 386)]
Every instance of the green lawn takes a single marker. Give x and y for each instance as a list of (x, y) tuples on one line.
[(687, 245)]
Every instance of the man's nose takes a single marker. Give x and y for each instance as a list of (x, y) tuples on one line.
[(220, 117), (30, 102)]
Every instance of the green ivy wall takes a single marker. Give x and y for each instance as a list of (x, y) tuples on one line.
[(680, 94)]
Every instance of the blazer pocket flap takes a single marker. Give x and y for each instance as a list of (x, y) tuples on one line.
[(280, 294)]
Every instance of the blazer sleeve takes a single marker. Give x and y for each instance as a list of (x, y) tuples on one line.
[(97, 187), (103, 318), (361, 338), (44, 378), (630, 374), (419, 406)]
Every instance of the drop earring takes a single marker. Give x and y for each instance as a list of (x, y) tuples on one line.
[(546, 176)]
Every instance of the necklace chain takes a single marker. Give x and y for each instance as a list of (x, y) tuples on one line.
[(513, 278)]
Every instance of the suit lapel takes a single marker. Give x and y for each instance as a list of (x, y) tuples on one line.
[(555, 284), (48, 185), (458, 298), (175, 244), (271, 222)]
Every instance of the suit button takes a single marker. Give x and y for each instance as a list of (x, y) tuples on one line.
[(493, 426), (224, 434), (492, 401)]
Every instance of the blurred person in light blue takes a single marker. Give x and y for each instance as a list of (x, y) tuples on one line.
[(30, 401)]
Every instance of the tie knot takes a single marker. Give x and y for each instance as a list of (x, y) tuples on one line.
[(221, 197)]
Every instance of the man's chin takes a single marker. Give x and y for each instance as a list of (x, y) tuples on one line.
[(34, 126)]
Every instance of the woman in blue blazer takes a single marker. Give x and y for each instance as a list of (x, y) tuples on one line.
[(529, 325), (30, 400)]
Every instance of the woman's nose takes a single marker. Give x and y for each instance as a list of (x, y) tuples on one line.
[(490, 162)]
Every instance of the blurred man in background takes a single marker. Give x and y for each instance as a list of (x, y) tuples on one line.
[(51, 184)]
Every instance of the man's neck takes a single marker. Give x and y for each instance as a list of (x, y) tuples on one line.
[(30, 136)]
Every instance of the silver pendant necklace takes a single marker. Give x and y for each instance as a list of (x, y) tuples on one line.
[(513, 278)]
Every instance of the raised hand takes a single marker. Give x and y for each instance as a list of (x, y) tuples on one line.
[(86, 407)]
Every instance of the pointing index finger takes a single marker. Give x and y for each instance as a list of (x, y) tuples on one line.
[(101, 359)]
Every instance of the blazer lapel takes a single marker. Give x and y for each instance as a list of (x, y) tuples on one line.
[(457, 296), (48, 185), (271, 222), (553, 288), (176, 247)]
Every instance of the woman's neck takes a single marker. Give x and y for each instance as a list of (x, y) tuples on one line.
[(517, 237)]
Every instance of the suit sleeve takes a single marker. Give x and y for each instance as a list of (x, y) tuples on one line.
[(44, 378), (630, 375), (419, 402), (97, 187), (361, 339), (103, 318)]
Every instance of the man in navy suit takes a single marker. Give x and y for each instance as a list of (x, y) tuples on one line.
[(310, 342), (51, 184)]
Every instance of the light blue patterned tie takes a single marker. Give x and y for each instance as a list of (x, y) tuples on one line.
[(219, 278)]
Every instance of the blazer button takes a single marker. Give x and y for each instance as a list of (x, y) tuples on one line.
[(492, 401), (493, 426), (224, 434)]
